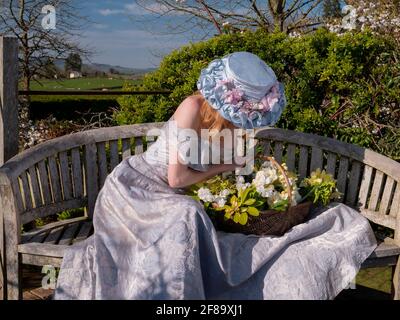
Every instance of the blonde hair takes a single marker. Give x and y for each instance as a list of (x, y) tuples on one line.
[(211, 118)]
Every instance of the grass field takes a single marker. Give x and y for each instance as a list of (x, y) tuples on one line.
[(81, 83)]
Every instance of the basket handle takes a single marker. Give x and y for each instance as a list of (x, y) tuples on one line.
[(283, 171)]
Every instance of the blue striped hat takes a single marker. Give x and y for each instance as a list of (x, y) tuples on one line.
[(244, 89)]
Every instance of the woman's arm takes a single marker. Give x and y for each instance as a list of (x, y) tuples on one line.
[(179, 174)]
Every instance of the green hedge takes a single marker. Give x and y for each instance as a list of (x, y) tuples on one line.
[(346, 87)]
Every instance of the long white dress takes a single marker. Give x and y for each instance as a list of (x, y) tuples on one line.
[(151, 241)]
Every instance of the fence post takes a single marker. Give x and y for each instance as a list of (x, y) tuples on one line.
[(8, 98), (8, 124)]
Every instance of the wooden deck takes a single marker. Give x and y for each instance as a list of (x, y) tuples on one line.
[(32, 283)]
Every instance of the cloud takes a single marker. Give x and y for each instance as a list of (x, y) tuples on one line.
[(135, 9), (109, 12)]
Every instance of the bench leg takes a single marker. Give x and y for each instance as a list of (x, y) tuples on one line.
[(396, 281), (14, 277)]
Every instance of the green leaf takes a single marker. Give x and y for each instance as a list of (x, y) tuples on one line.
[(236, 217), (243, 218), (249, 202), (253, 211)]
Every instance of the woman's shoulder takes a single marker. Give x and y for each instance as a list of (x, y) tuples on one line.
[(187, 115)]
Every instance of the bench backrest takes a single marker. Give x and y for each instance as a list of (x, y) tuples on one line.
[(68, 172)]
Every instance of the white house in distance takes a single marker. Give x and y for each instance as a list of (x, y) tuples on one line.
[(75, 74)]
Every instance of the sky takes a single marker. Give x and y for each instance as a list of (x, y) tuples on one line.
[(120, 38)]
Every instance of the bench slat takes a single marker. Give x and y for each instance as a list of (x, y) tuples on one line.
[(316, 159), (103, 171), (54, 235), (353, 183), (331, 163), (84, 231), (303, 162), (138, 145), (27, 191), (91, 176), (65, 175), (342, 175), (55, 179), (376, 189), (387, 193), (126, 148), (69, 234), (114, 157), (77, 172), (291, 157), (35, 186), (278, 151), (44, 182), (364, 188), (395, 207)]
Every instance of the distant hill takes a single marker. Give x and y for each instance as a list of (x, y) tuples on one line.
[(101, 67)]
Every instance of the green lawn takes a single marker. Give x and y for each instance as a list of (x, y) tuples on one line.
[(81, 83)]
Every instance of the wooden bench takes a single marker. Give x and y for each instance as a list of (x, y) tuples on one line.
[(67, 173)]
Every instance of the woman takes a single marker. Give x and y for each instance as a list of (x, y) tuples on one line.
[(151, 241)]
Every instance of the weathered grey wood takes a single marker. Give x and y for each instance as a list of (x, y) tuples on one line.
[(33, 181), (52, 208), (383, 220), (379, 262), (138, 145), (42, 249), (69, 234), (44, 182), (396, 281), (55, 179), (12, 237), (91, 176), (28, 236), (2, 257), (54, 235), (102, 156), (291, 157), (8, 98), (342, 175), (17, 195), (126, 148), (65, 175), (385, 250), (352, 188), (84, 231), (278, 151), (366, 156), (26, 191), (40, 236), (395, 206), (331, 164), (375, 192), (77, 172), (316, 159), (37, 260), (386, 196), (303, 162), (114, 156), (266, 147), (364, 188)]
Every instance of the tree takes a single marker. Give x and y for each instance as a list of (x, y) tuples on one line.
[(332, 9), (73, 63), (236, 15), (42, 33)]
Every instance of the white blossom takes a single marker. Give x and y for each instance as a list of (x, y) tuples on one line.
[(205, 195)]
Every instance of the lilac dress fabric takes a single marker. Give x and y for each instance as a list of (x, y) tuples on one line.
[(153, 242)]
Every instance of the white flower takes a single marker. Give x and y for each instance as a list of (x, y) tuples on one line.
[(241, 184), (220, 201), (224, 193), (205, 195), (266, 191)]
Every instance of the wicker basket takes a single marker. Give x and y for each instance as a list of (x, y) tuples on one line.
[(269, 222)]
